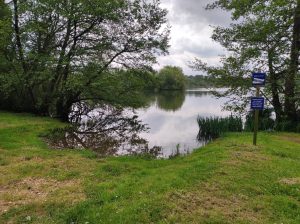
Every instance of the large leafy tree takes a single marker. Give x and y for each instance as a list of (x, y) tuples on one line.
[(171, 78), (5, 26), (5, 36), (259, 39), (62, 48), (291, 104)]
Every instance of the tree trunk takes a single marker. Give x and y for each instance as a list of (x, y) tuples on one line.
[(64, 106), (290, 82), (276, 101), (274, 88), (63, 110), (20, 52)]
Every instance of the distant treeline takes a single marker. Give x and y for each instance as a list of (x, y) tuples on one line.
[(169, 78), (199, 81), (172, 78)]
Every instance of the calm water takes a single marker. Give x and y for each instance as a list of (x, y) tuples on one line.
[(172, 119), (170, 116)]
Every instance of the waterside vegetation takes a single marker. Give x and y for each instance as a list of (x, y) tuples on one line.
[(228, 181), (213, 127), (263, 35)]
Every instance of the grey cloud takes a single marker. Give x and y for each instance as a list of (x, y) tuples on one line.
[(191, 31), (193, 12), (197, 48)]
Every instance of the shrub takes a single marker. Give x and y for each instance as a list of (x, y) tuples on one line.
[(288, 126), (265, 121)]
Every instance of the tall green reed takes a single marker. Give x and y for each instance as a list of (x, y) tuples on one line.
[(213, 127)]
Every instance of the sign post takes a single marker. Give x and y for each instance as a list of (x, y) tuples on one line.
[(256, 118), (257, 103)]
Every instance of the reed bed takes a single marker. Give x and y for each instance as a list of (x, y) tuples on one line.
[(213, 127)]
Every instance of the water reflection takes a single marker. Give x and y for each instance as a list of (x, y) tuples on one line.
[(107, 130), (198, 93), (170, 100), (165, 126), (176, 130)]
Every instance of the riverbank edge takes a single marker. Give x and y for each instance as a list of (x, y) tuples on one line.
[(227, 181)]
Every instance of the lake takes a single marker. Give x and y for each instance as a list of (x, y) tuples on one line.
[(172, 119)]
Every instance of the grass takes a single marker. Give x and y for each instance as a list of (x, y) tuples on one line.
[(228, 181)]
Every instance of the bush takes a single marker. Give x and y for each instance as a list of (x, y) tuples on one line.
[(288, 126), (265, 121)]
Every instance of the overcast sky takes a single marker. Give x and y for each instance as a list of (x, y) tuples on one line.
[(191, 33)]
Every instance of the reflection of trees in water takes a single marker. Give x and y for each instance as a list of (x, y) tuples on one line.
[(107, 130), (199, 93), (110, 130), (149, 99), (165, 100), (170, 100)]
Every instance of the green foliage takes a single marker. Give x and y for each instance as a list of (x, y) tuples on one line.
[(260, 36), (7, 78), (63, 49), (199, 81), (266, 122), (5, 26), (171, 78), (43, 186), (214, 127), (288, 126), (5, 35), (121, 87)]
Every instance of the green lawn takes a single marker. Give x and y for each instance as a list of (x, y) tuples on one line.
[(228, 181)]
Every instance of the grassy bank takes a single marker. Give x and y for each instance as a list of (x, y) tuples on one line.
[(228, 181)]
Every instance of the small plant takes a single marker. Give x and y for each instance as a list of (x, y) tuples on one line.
[(175, 153), (178, 148), (214, 127)]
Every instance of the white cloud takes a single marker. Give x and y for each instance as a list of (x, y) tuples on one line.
[(191, 33)]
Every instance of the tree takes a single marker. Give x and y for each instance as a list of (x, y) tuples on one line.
[(121, 87), (5, 36), (5, 26), (171, 78), (290, 80), (61, 48), (260, 39)]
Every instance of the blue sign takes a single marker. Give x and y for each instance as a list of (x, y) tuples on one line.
[(259, 79), (257, 103)]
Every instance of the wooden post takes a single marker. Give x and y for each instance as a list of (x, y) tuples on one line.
[(256, 118)]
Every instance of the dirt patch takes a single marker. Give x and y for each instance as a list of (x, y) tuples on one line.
[(243, 147), (249, 156), (209, 201), (240, 157), (290, 181), (290, 139), (28, 158), (3, 126), (39, 190)]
